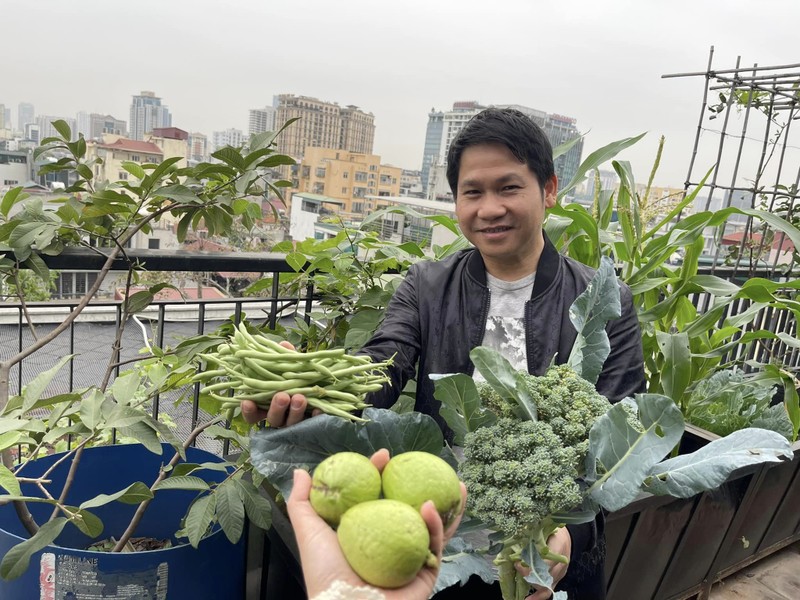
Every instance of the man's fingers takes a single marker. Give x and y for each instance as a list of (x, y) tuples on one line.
[(278, 409), (297, 409), (251, 413), (287, 345)]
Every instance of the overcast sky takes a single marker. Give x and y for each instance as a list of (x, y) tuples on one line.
[(599, 61)]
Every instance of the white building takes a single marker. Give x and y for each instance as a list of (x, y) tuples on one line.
[(46, 129), (25, 115), (147, 113), (261, 120), (230, 137)]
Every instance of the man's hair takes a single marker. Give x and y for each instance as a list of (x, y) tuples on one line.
[(511, 128)]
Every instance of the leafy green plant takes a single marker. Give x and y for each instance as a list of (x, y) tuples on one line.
[(105, 216)]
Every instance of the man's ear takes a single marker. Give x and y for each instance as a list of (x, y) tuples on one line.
[(551, 192)]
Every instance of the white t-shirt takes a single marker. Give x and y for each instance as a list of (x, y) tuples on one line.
[(505, 325)]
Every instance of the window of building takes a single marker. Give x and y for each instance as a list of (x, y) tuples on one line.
[(123, 175), (320, 172), (319, 187), (135, 158), (10, 182), (359, 192), (154, 243), (305, 172), (373, 167), (344, 190), (361, 175), (345, 175), (358, 207), (74, 285), (310, 207)]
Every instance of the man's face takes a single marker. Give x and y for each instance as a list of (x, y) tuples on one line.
[(500, 208)]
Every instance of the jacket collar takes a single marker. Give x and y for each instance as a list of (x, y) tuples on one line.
[(546, 272)]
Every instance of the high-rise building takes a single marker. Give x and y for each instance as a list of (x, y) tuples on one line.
[(443, 126), (198, 147), (230, 137), (322, 125), (32, 132), (261, 120), (25, 115), (3, 123), (147, 113)]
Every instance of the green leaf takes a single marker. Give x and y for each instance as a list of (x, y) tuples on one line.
[(540, 571), (461, 405), (10, 198), (189, 468), (10, 438), (230, 510), (32, 392), (8, 481), (88, 523), (258, 508), (91, 411), (133, 494), (138, 301), (145, 435), (296, 260), (133, 168), (715, 285), (620, 457), (199, 518), (597, 158), (63, 129), (84, 171), (709, 467), (589, 314), (362, 326), (230, 156), (183, 482), (275, 453), (179, 193), (499, 373), (38, 266), (459, 563), (163, 167), (125, 386), (565, 147), (17, 559), (676, 374), (124, 416)]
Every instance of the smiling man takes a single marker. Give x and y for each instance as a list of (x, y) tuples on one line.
[(512, 291)]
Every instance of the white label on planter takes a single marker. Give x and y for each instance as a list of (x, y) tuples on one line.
[(67, 577)]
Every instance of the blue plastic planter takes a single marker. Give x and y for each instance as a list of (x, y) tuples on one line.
[(63, 571)]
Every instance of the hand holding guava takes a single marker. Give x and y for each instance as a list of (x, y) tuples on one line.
[(321, 553)]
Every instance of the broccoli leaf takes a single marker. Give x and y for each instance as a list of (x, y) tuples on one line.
[(459, 562), (709, 467), (504, 378), (589, 313), (461, 405), (540, 571), (276, 453), (621, 457)]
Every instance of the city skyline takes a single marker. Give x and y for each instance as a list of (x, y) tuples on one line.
[(600, 63)]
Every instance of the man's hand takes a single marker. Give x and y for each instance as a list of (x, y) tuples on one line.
[(561, 543), (283, 410), (321, 556)]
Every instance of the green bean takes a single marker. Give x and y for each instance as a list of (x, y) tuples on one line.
[(261, 370)]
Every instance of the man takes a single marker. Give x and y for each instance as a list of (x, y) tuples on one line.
[(512, 291)]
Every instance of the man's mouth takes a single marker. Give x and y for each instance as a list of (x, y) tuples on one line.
[(498, 229)]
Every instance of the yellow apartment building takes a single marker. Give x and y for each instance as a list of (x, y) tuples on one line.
[(347, 176)]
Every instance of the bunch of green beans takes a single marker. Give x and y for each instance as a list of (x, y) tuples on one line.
[(255, 368)]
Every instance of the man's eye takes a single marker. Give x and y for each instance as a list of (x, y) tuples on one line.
[(510, 188)]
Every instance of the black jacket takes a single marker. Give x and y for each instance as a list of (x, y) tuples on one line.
[(438, 315)]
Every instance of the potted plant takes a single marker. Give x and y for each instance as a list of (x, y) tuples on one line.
[(54, 506)]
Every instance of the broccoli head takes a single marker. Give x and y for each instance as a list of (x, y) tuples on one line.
[(568, 403), (518, 473)]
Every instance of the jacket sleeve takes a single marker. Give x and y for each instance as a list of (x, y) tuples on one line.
[(623, 372), (398, 338)]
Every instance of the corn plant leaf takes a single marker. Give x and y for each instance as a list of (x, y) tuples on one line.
[(199, 518), (17, 559), (709, 467), (677, 372), (133, 494), (230, 510)]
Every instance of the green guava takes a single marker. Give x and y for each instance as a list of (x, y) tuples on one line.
[(341, 481), (414, 477), (386, 542)]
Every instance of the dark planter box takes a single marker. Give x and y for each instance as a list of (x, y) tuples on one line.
[(670, 549)]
